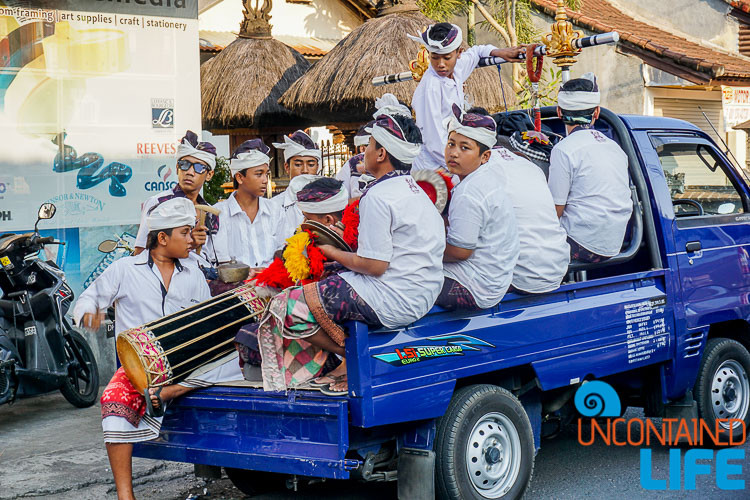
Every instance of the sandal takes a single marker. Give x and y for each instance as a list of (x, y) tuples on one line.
[(329, 391), (150, 410), (318, 383)]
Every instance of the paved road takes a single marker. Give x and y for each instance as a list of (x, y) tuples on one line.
[(48, 449)]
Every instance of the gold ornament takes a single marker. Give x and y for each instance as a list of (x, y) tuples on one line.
[(419, 65), (560, 41)]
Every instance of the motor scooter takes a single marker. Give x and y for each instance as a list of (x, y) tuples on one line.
[(39, 350)]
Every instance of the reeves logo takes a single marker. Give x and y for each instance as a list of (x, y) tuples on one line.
[(162, 113), (455, 345), (164, 184), (5, 215)]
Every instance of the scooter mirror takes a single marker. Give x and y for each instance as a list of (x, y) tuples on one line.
[(47, 211), (107, 246)]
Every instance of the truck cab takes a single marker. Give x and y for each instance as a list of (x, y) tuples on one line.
[(459, 402)]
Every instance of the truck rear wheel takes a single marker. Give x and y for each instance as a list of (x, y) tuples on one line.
[(484, 446), (253, 482), (722, 389)]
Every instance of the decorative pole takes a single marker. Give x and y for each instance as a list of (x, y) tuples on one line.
[(560, 41)]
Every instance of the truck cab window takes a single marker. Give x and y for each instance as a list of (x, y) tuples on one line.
[(698, 180)]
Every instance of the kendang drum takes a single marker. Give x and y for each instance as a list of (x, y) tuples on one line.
[(167, 350)]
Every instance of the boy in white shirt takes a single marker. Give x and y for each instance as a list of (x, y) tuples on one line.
[(354, 167), (544, 253), (158, 282), (250, 231), (396, 273), (301, 156), (442, 86), (195, 166), (588, 177), (482, 242)]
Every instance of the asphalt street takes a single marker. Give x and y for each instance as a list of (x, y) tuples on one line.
[(48, 449)]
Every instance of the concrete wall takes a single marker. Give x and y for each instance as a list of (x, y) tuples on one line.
[(704, 21), (322, 18)]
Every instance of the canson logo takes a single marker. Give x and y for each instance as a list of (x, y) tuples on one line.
[(164, 184), (598, 399)]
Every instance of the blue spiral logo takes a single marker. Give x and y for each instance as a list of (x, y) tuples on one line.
[(597, 399)]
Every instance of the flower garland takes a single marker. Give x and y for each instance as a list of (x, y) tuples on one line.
[(350, 220), (302, 262)]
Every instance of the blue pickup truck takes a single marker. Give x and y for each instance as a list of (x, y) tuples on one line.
[(457, 403)]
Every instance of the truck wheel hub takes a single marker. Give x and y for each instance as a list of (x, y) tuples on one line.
[(493, 455), (730, 393)]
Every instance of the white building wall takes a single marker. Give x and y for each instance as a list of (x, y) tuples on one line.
[(321, 19)]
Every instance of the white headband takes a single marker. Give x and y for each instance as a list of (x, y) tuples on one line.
[(580, 100), (435, 46), (404, 151), (479, 134), (187, 149), (299, 182), (248, 159), (388, 105), (335, 203), (175, 212), (361, 140), (292, 149)]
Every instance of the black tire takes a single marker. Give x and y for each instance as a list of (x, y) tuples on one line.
[(253, 482), (722, 389), (81, 388), (473, 409)]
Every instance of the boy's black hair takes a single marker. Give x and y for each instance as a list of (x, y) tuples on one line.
[(411, 134), (439, 31), (234, 178), (583, 116), (478, 110), (152, 240), (325, 184)]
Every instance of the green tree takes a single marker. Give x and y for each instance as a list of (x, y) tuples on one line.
[(212, 190)]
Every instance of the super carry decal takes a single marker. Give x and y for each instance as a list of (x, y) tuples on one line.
[(455, 345)]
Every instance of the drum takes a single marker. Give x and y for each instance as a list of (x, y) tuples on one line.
[(167, 350)]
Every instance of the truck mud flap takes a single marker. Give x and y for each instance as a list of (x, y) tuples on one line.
[(301, 432)]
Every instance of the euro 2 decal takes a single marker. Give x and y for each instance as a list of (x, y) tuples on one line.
[(455, 345)]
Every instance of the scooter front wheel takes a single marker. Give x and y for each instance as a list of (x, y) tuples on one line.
[(81, 387)]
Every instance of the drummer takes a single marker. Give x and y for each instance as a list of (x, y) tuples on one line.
[(393, 278), (153, 284), (195, 166), (301, 156), (249, 232)]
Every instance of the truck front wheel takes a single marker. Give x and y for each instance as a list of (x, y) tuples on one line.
[(722, 389), (484, 446)]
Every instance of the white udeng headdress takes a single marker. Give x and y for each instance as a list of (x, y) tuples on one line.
[(388, 104), (481, 128), (204, 151), (451, 42), (175, 212), (335, 203), (402, 150), (580, 100), (292, 148)]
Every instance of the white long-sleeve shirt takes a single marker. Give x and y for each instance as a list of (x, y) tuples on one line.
[(250, 242), (135, 286), (291, 215), (433, 103)]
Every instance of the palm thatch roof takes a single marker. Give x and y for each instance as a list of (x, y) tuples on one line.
[(241, 86), (338, 88)]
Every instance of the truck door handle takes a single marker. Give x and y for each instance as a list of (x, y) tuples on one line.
[(692, 246)]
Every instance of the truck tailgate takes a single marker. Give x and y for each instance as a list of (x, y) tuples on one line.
[(301, 432)]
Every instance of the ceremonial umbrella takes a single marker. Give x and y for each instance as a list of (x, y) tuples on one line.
[(241, 86), (338, 91)]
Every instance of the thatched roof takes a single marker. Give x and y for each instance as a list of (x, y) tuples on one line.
[(241, 86), (338, 88)]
